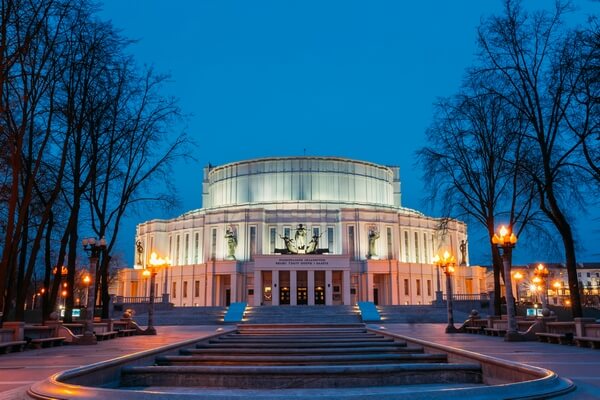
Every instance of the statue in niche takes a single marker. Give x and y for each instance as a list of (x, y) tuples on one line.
[(231, 243), (300, 237), (140, 250), (463, 252), (289, 244), (313, 245), (373, 236)]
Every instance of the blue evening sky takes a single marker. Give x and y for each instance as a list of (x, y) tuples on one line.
[(329, 78)]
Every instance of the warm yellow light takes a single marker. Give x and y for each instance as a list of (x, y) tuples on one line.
[(64, 293), (568, 302), (156, 261), (503, 232), (540, 267), (146, 273), (536, 279), (532, 287), (450, 269), (556, 284), (87, 279), (436, 259), (517, 275)]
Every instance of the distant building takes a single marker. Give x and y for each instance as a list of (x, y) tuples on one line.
[(300, 230), (555, 285)]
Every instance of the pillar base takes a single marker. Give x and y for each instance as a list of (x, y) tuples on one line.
[(451, 329), (87, 339), (149, 331), (514, 337)]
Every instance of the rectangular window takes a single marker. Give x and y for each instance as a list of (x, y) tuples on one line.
[(213, 245), (406, 288), (171, 248), (272, 237), (406, 247), (389, 243), (174, 291), (197, 245), (252, 242), (588, 274), (287, 232), (418, 287), (351, 241), (315, 231), (330, 240), (177, 254), (425, 253), (185, 284), (428, 287), (186, 259), (417, 247), (197, 289)]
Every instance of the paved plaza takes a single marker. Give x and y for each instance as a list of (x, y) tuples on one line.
[(19, 370)]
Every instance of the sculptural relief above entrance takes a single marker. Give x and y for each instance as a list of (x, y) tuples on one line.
[(298, 244)]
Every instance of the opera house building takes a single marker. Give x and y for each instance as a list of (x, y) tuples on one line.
[(300, 231)]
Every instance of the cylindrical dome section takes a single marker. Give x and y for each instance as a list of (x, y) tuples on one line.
[(299, 179)]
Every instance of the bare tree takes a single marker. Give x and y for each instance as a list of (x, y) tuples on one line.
[(532, 62), (471, 165), (133, 157)]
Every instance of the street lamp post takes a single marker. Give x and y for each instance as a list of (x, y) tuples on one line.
[(447, 262), (93, 248), (153, 265), (518, 276), (506, 241), (542, 273)]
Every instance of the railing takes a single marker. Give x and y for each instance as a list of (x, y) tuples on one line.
[(138, 300), (469, 297)]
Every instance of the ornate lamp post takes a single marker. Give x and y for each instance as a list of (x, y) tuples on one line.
[(518, 276), (506, 241), (542, 273), (93, 248), (152, 269), (447, 262)]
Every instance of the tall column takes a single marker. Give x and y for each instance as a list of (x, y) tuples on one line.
[(311, 287), (328, 287), (275, 288), (210, 285), (346, 287), (370, 296), (293, 288), (394, 284), (233, 287), (257, 287)]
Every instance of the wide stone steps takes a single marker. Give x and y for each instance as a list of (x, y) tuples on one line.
[(301, 314), (287, 359), (297, 356), (398, 348)]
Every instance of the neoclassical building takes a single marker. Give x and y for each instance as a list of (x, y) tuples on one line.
[(300, 230)]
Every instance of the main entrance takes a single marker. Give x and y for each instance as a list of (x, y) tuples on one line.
[(302, 296), (301, 280)]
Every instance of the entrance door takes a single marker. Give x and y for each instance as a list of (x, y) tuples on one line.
[(376, 296), (227, 297), (302, 299), (319, 295), (284, 295)]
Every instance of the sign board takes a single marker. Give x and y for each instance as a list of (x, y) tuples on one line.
[(302, 262), (534, 312)]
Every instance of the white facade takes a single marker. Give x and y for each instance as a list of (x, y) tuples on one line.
[(339, 201)]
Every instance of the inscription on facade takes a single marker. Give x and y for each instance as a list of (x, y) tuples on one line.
[(302, 261)]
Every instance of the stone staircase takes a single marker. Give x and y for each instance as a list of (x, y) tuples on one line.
[(299, 356), (417, 314), (184, 316), (302, 314)]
